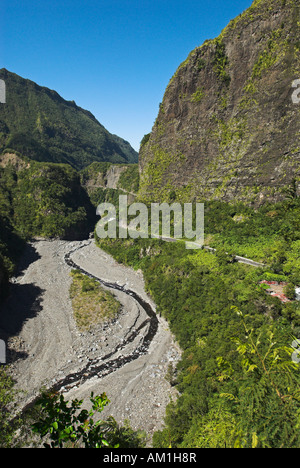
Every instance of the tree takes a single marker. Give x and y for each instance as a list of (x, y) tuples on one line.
[(7, 399), (66, 424), (265, 396), (289, 291)]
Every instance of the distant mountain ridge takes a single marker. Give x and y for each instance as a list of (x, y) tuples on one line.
[(41, 125)]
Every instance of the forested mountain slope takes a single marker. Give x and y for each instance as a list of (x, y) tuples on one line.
[(45, 141), (41, 125)]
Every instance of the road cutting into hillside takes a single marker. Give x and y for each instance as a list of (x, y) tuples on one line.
[(127, 358)]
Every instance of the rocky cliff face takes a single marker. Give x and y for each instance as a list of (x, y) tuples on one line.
[(227, 127), (105, 177)]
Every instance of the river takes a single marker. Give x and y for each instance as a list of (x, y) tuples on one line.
[(127, 358)]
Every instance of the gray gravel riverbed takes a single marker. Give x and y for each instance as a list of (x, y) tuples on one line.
[(48, 349)]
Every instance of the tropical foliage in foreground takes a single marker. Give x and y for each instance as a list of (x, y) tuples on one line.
[(68, 425), (54, 422)]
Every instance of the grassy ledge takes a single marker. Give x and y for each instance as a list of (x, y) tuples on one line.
[(91, 303)]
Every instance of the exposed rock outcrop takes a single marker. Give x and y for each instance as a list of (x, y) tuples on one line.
[(227, 127)]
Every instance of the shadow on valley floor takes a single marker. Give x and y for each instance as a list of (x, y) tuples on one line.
[(24, 303), (29, 256)]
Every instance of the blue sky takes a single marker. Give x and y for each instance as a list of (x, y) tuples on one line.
[(112, 57)]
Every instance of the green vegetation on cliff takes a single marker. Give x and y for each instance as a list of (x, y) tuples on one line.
[(47, 200), (224, 132), (104, 182), (11, 244), (228, 114), (42, 199), (41, 125), (112, 176), (44, 141), (39, 200)]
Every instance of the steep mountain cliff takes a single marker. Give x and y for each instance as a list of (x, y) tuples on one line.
[(228, 127), (41, 125), (106, 181)]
